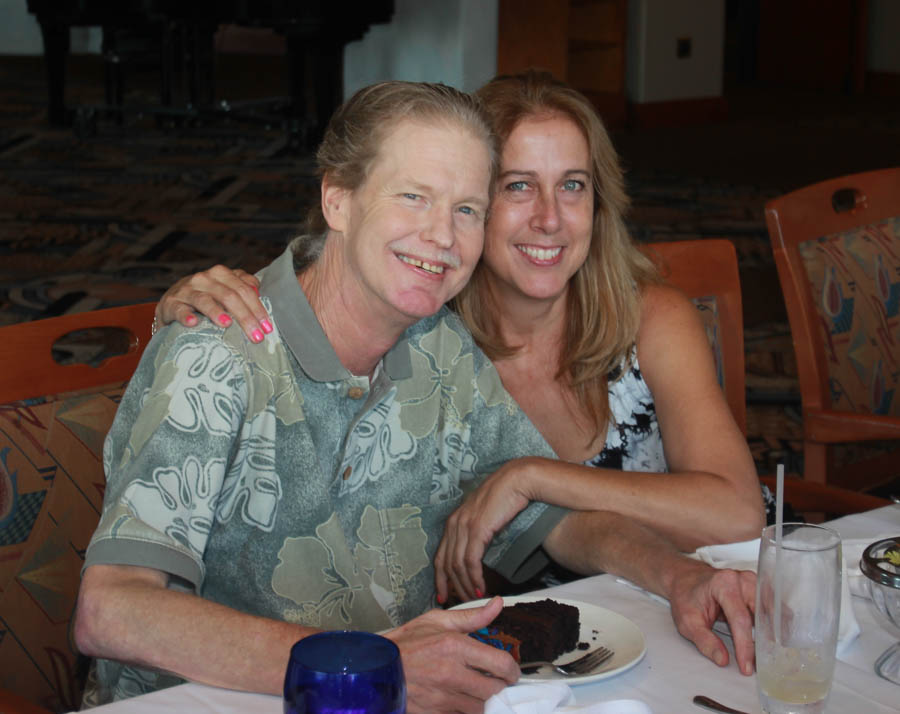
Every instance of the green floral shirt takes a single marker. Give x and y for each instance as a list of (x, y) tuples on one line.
[(269, 479)]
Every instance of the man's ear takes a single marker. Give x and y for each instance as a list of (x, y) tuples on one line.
[(335, 205)]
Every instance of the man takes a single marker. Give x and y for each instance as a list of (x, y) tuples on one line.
[(259, 492)]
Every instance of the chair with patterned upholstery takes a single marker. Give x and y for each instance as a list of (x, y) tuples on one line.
[(707, 272), (53, 421), (837, 250)]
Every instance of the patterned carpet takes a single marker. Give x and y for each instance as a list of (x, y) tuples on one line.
[(116, 217)]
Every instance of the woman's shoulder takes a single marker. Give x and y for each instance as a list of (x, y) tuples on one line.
[(662, 307), (671, 333)]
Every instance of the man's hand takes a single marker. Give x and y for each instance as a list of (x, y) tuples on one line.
[(446, 670), (700, 595), (222, 295)]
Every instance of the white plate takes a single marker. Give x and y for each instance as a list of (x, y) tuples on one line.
[(599, 626)]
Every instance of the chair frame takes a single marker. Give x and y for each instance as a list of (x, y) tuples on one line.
[(709, 268), (792, 219), (30, 371)]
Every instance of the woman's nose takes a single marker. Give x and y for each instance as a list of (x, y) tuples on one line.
[(546, 215)]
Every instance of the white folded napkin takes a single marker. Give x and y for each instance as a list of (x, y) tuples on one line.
[(744, 556), (549, 697)]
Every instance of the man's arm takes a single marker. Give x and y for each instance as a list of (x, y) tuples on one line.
[(601, 541), (127, 613)]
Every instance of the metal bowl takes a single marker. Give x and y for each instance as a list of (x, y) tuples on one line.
[(880, 564)]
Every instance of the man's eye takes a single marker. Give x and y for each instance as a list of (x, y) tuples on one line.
[(517, 186), (573, 185), (411, 196)]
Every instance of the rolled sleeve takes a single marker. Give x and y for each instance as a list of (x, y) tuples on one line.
[(163, 456)]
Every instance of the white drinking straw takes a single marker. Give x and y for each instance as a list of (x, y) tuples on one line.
[(779, 517)]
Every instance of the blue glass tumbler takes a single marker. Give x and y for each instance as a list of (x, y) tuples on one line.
[(344, 672)]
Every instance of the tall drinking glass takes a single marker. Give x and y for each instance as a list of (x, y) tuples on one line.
[(344, 672), (798, 604)]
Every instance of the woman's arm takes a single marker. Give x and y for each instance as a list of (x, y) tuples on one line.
[(711, 492), (591, 542), (710, 495), (221, 294)]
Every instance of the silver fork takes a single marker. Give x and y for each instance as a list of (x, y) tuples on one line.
[(583, 665)]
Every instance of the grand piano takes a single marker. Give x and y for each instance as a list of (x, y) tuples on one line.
[(180, 33)]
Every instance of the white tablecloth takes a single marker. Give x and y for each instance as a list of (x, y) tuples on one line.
[(668, 677)]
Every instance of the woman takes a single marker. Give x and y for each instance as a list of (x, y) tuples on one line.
[(612, 366)]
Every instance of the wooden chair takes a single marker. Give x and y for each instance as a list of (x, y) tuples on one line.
[(837, 250), (707, 272), (53, 421)]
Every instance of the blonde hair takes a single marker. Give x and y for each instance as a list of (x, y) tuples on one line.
[(357, 129), (604, 297)]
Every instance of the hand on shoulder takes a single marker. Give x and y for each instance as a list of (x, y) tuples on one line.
[(222, 295)]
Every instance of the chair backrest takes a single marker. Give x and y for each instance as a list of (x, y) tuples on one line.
[(837, 250), (53, 421), (707, 271)]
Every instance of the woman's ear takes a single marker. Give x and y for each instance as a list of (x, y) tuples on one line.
[(335, 205)]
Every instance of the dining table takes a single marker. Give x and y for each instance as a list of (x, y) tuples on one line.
[(671, 671)]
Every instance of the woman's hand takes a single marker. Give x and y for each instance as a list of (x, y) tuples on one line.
[(470, 528), (220, 293)]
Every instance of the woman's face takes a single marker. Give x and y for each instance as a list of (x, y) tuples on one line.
[(541, 219)]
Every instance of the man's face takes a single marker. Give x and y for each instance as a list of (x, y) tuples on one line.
[(413, 231)]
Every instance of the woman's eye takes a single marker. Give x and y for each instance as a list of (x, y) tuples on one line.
[(411, 196), (468, 210), (573, 185)]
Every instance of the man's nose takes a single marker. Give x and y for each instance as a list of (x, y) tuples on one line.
[(440, 230)]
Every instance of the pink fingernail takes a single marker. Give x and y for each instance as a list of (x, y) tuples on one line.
[(224, 320), (256, 336), (255, 288), (478, 592), (191, 320), (440, 599), (267, 326)]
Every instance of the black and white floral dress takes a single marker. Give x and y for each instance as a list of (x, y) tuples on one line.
[(633, 439)]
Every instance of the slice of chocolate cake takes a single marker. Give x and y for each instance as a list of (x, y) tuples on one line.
[(544, 629)]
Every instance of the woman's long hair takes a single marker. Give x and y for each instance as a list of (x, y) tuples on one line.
[(604, 297)]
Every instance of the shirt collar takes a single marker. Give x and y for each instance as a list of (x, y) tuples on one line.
[(300, 329)]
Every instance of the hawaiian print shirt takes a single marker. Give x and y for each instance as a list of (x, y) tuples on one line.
[(268, 478)]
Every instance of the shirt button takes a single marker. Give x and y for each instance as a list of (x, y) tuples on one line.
[(347, 472), (355, 392)]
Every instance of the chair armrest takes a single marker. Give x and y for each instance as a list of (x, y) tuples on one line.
[(14, 704), (811, 496), (832, 427)]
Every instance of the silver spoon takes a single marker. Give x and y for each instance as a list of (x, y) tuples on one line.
[(713, 705)]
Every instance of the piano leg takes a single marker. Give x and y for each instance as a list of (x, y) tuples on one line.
[(56, 50), (316, 77)]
